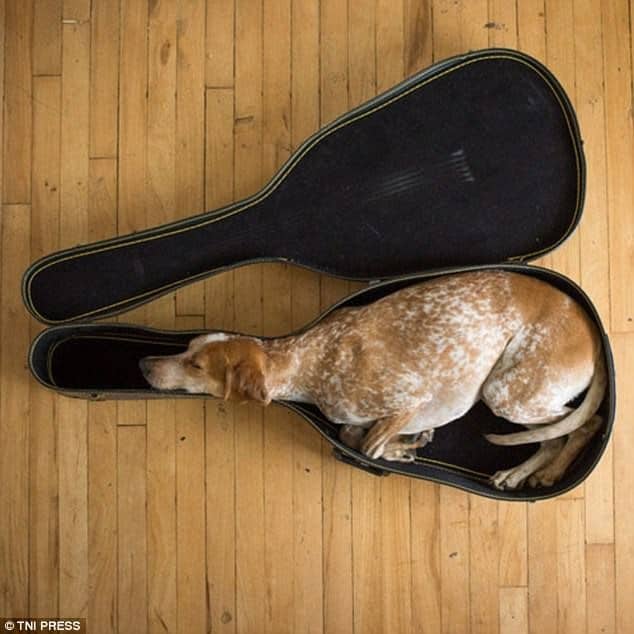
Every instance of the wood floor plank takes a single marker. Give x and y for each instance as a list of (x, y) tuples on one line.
[(18, 96), (75, 131), (333, 57), (502, 24), (104, 78), (219, 419), (102, 199), (219, 68), (513, 611), (366, 543), (425, 536), (47, 38), (102, 517), (531, 28), (132, 573), (571, 568), (190, 511), (395, 550), (454, 560), (2, 88), (418, 35), (76, 11), (72, 441), (542, 566), (512, 543), (133, 77), (161, 113), (44, 237), (459, 27), (486, 522), (14, 414), (617, 66), (623, 482), (600, 588)]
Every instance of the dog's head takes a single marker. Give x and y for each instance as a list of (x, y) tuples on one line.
[(229, 367)]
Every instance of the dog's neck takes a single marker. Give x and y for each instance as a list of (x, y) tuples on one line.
[(285, 369)]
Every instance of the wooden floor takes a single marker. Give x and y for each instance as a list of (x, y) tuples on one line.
[(197, 517)]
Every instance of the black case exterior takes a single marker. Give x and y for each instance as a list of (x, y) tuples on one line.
[(476, 160), (475, 163)]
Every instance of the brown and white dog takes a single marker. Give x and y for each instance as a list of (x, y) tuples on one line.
[(418, 359)]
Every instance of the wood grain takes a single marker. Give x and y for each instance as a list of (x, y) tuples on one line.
[(104, 78), (43, 480), (47, 32), (14, 414), (18, 96), (623, 481)]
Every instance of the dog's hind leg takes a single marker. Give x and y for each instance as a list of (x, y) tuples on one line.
[(555, 469), (401, 449), (515, 477)]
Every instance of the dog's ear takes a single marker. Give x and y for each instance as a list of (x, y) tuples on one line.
[(244, 374), (248, 382)]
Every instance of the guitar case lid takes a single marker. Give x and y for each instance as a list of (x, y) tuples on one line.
[(476, 160), (474, 163)]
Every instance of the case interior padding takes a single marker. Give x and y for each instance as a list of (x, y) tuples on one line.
[(101, 361), (475, 160)]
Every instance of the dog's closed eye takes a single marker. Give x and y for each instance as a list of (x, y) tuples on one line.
[(196, 365)]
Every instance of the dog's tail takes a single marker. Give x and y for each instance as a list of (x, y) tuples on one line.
[(572, 421)]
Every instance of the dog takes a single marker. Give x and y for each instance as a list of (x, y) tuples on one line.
[(393, 371)]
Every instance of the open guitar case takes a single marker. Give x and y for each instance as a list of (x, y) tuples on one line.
[(474, 163)]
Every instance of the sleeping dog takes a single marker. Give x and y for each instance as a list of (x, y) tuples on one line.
[(393, 371)]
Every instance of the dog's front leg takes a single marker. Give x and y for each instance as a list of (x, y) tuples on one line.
[(384, 430)]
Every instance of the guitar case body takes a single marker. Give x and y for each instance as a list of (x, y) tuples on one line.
[(474, 163)]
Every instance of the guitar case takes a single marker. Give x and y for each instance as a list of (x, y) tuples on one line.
[(474, 163)]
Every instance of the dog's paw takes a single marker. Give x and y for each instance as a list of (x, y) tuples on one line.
[(421, 438), (508, 480), (397, 454), (545, 477)]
